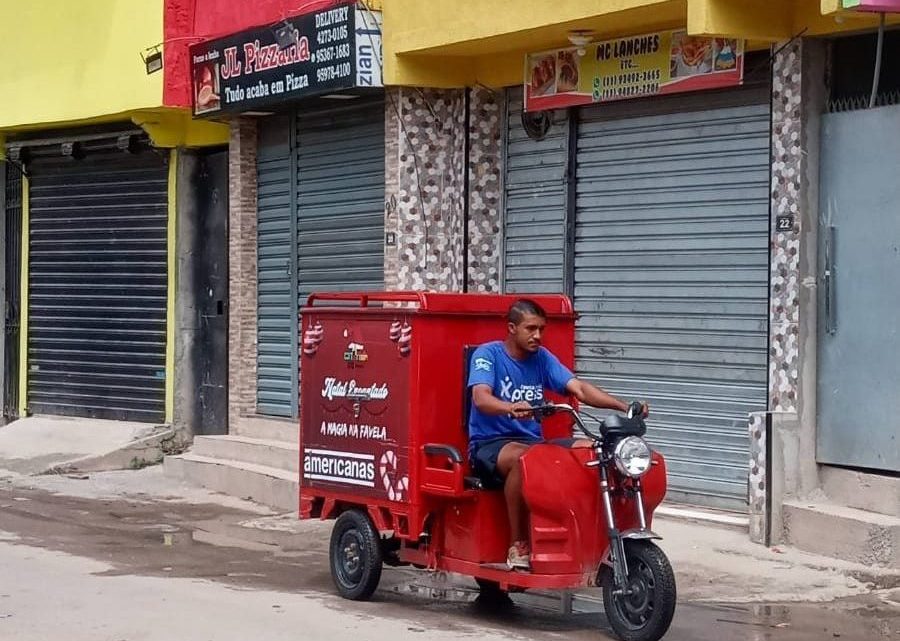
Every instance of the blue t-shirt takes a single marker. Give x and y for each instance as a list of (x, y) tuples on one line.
[(512, 381)]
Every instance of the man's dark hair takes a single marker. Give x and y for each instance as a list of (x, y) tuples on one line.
[(521, 307)]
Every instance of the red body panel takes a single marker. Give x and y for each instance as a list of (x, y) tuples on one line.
[(382, 376)]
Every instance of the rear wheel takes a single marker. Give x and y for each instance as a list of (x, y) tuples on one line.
[(646, 612), (356, 556)]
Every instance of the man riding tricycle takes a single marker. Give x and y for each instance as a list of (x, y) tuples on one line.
[(435, 445)]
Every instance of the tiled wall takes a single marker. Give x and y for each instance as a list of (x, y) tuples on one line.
[(485, 188), (425, 189), (242, 330), (788, 167)]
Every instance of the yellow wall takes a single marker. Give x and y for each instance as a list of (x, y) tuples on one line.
[(414, 26), (469, 42), (66, 61)]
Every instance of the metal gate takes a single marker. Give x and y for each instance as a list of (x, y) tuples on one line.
[(534, 247), (859, 301), (276, 386), (13, 288), (671, 275), (97, 287), (321, 227)]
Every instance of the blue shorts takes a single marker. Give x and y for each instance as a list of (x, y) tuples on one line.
[(483, 457)]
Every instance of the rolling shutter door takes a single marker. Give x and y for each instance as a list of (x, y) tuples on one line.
[(98, 284), (340, 199), (535, 204), (671, 279), (276, 306)]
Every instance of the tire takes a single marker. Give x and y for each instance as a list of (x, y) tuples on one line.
[(492, 595), (489, 588), (492, 586), (355, 555), (647, 614)]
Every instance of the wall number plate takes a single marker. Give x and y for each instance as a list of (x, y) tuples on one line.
[(785, 222)]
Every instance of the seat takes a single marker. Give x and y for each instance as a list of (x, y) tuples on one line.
[(458, 461)]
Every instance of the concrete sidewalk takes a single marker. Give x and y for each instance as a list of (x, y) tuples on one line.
[(42, 444), (712, 563)]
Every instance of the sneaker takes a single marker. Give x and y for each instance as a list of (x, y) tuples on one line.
[(519, 556)]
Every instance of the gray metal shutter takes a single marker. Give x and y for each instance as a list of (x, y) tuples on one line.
[(535, 204), (98, 285), (276, 362), (340, 199), (671, 273)]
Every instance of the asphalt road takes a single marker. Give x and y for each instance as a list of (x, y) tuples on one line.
[(94, 570)]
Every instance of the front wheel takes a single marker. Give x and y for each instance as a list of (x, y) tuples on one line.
[(356, 556), (646, 612)]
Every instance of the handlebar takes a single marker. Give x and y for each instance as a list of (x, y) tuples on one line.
[(549, 409), (635, 411)]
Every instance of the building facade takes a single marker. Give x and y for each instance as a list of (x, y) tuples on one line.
[(700, 234), (103, 208), (686, 171)]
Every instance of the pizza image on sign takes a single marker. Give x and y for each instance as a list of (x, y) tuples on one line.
[(207, 83)]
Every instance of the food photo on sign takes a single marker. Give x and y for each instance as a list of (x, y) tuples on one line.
[(695, 55), (567, 71), (690, 56), (206, 82), (725, 54), (543, 75)]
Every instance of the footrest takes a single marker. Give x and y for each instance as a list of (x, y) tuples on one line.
[(502, 567), (473, 483)]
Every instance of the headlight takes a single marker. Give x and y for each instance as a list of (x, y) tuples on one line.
[(632, 456)]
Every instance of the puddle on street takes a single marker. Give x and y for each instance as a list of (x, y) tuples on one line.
[(875, 617)]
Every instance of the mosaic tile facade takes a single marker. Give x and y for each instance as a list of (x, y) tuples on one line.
[(485, 189), (391, 187), (425, 189), (788, 167), (758, 490), (430, 183)]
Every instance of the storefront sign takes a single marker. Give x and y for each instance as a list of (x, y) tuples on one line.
[(327, 51), (882, 6), (652, 64)]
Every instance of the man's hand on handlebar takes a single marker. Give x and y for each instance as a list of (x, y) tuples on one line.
[(521, 410), (639, 408)]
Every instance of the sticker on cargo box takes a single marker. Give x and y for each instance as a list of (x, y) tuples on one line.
[(312, 338), (354, 430), (351, 468), (394, 484), (402, 335), (355, 355), (333, 388)]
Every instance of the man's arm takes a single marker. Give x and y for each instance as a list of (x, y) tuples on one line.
[(596, 397), (484, 399)]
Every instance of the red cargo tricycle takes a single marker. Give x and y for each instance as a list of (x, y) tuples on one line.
[(383, 451)]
